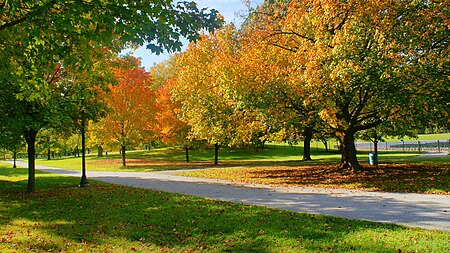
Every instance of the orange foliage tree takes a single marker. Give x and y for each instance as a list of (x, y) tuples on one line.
[(205, 88), (131, 104), (169, 128)]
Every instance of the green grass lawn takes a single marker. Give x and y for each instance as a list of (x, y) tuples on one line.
[(60, 217), (281, 165), (424, 137), (164, 159)]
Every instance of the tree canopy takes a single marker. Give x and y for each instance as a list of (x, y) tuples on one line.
[(364, 64), (38, 38)]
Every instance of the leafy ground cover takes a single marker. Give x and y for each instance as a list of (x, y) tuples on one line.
[(420, 177), (60, 217)]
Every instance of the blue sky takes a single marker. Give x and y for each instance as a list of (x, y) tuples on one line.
[(232, 10)]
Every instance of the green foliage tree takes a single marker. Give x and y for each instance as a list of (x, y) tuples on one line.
[(11, 141)]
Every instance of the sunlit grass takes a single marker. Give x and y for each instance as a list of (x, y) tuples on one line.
[(425, 137), (166, 159), (61, 217)]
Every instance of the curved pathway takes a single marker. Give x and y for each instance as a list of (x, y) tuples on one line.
[(415, 210)]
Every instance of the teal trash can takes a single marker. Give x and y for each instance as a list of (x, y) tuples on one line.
[(373, 159)]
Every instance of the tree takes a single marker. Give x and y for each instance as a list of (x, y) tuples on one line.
[(131, 104), (27, 117), (84, 97), (37, 37), (204, 88), (264, 82), (360, 61), (168, 127), (11, 141)]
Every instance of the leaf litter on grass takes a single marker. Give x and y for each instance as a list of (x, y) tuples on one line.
[(114, 218), (406, 177)]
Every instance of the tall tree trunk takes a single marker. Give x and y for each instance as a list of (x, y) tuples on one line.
[(307, 134), (216, 154), (123, 155), (30, 138), (186, 148), (348, 151)]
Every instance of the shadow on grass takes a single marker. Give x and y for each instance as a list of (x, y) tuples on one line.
[(114, 218)]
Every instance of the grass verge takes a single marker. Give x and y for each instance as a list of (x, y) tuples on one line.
[(60, 217)]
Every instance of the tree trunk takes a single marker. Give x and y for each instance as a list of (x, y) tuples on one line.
[(348, 151), (186, 148), (325, 143), (99, 151), (123, 156), (307, 134), (216, 154), (30, 137), (48, 148)]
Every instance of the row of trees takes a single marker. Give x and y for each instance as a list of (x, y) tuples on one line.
[(53, 55), (314, 69), (295, 70)]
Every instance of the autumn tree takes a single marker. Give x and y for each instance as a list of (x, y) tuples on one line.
[(130, 104), (168, 127), (264, 81), (364, 63), (204, 88)]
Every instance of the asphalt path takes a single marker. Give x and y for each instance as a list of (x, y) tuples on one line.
[(414, 210)]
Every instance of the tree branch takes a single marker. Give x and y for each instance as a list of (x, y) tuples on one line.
[(369, 125), (293, 50)]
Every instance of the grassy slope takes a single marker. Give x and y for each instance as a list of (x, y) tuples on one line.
[(60, 217)]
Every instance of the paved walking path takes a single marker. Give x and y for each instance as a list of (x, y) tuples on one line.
[(416, 210)]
